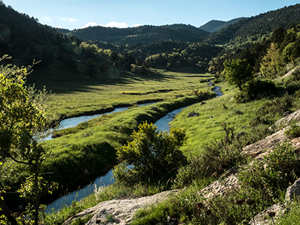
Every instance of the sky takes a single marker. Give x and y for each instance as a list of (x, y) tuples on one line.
[(76, 14)]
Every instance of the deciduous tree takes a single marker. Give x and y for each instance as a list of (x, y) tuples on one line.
[(22, 116), (238, 72)]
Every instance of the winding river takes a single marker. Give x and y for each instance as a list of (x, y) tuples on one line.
[(107, 179)]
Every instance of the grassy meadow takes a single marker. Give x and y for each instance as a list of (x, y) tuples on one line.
[(82, 153), (75, 93)]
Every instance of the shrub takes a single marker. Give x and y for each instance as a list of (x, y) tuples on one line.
[(293, 131), (256, 89), (151, 155), (277, 169)]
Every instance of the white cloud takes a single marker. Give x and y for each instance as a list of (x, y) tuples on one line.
[(71, 20), (111, 24), (137, 25), (116, 24), (59, 26)]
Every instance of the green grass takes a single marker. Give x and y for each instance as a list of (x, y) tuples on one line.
[(206, 128), (76, 94)]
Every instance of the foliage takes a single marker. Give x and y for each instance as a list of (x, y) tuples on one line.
[(151, 155), (293, 131), (215, 159), (22, 116), (271, 62), (90, 68), (277, 170), (238, 72), (256, 89)]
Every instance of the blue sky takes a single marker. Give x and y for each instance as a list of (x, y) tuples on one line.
[(73, 14)]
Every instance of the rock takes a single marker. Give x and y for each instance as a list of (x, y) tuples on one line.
[(286, 113), (293, 191), (154, 108), (86, 172), (193, 114), (202, 103), (264, 218), (122, 211), (238, 112), (265, 144), (288, 118), (227, 182), (240, 134), (226, 89), (231, 98)]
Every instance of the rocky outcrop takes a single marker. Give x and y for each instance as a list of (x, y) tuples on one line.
[(227, 182), (266, 144), (287, 119), (118, 211), (293, 191), (264, 216)]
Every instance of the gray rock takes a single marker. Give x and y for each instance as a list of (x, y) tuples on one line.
[(238, 112), (121, 210), (263, 217), (286, 113), (154, 108), (287, 119), (193, 114), (293, 191)]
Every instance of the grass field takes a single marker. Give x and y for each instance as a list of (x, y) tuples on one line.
[(75, 93)]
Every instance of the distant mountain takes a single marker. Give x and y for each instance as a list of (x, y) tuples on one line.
[(216, 25), (143, 34), (256, 26), (63, 31)]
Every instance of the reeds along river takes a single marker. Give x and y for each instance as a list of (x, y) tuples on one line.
[(107, 179)]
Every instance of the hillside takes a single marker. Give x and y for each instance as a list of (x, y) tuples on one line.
[(143, 34), (216, 25), (260, 25)]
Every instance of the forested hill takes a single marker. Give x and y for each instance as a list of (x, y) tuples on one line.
[(143, 34), (216, 25), (257, 26)]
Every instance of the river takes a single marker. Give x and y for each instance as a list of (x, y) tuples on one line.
[(107, 179)]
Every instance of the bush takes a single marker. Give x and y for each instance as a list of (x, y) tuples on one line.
[(293, 131), (277, 169), (151, 155), (256, 89)]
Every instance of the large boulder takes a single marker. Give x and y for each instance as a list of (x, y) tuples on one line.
[(118, 211), (287, 119), (293, 191)]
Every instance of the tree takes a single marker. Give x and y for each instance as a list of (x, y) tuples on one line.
[(103, 67), (151, 154), (271, 63), (22, 116), (128, 59), (143, 70), (238, 72), (90, 68)]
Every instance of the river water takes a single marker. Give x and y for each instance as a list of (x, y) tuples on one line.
[(107, 179)]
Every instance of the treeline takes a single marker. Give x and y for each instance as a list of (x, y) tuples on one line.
[(142, 35), (256, 26), (282, 47)]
